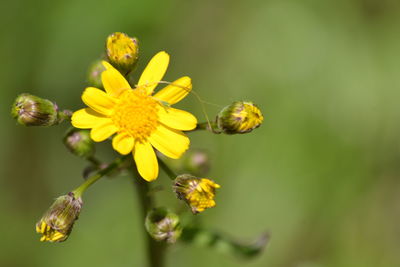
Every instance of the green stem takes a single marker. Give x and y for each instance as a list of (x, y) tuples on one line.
[(171, 174), (91, 180), (64, 115), (94, 161), (155, 250), (209, 126)]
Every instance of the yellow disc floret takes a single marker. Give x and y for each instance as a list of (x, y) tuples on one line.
[(136, 114)]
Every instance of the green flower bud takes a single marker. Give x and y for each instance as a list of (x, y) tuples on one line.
[(79, 143), (239, 117), (94, 75), (56, 224), (197, 162), (163, 225), (30, 110), (122, 51), (198, 193)]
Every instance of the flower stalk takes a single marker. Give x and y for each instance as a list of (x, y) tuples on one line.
[(94, 178), (155, 250)]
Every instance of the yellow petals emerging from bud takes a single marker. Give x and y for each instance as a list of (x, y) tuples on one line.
[(198, 193), (239, 117), (56, 224), (122, 51), (79, 143), (163, 225), (30, 110)]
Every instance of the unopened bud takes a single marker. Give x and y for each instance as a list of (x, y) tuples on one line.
[(122, 51), (94, 75), (198, 193), (79, 143), (197, 162), (163, 225), (239, 117), (30, 110), (56, 224)]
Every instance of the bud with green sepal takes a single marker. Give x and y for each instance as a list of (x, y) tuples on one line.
[(79, 143), (195, 161), (122, 51), (239, 117), (30, 110), (163, 225), (198, 193), (56, 224), (94, 74)]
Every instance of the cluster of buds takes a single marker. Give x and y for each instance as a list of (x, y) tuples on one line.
[(239, 117), (163, 225), (57, 222), (198, 193)]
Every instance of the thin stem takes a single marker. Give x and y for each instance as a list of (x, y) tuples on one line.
[(209, 126), (94, 178), (171, 174), (155, 250), (94, 161)]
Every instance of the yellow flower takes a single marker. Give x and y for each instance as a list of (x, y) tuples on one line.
[(140, 120), (198, 193)]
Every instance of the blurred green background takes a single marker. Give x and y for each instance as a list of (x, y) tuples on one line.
[(321, 174)]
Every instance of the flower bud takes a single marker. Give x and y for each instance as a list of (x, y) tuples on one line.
[(163, 225), (30, 110), (79, 143), (122, 51), (198, 193), (197, 162), (56, 224), (239, 117), (94, 75)]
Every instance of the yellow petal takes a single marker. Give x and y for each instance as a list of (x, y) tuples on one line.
[(123, 143), (102, 131), (98, 100), (113, 81), (176, 91), (87, 118), (154, 72), (170, 142), (177, 119), (146, 161)]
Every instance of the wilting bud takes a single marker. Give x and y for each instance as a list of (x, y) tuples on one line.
[(163, 225), (56, 224), (122, 51), (79, 143), (30, 110), (198, 193), (94, 75), (239, 117)]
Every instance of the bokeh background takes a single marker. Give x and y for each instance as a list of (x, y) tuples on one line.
[(321, 174)]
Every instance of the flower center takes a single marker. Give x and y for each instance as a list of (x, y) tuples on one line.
[(136, 114)]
